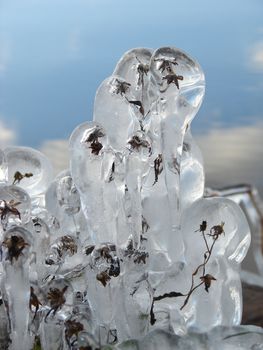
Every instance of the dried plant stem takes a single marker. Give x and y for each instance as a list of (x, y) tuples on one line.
[(193, 287), (206, 244), (189, 294)]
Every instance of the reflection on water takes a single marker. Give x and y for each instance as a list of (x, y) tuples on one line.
[(233, 155), (52, 59)]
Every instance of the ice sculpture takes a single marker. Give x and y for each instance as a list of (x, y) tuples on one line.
[(123, 243)]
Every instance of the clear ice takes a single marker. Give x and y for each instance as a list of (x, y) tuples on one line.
[(123, 243)]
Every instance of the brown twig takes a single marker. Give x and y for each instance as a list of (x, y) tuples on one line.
[(206, 279)]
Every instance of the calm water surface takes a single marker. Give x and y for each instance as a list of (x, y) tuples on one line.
[(55, 53)]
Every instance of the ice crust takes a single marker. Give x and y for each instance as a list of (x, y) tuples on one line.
[(123, 243)]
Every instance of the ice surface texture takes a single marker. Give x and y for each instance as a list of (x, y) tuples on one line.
[(123, 243), (220, 338)]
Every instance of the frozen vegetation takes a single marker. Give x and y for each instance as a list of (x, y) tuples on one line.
[(123, 245)]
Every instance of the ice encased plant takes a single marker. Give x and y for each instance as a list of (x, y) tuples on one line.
[(124, 242), (141, 182)]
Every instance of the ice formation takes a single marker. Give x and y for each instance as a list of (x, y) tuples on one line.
[(124, 242), (219, 338)]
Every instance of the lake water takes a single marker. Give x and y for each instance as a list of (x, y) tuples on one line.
[(55, 53)]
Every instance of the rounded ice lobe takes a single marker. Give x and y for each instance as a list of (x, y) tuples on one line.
[(58, 295), (133, 65), (174, 70), (15, 206), (29, 169), (89, 136), (17, 244)]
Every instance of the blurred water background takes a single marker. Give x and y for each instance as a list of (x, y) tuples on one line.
[(55, 53)]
